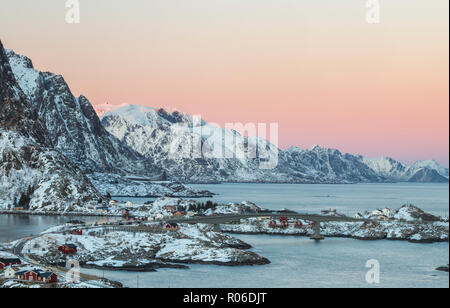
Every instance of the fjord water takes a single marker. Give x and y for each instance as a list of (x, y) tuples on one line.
[(14, 227), (347, 199), (300, 262), (297, 261)]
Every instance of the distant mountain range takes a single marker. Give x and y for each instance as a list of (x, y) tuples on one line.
[(153, 133), (52, 143)]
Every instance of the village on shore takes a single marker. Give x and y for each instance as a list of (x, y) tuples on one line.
[(136, 238)]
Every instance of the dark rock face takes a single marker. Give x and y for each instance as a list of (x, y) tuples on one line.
[(72, 124), (29, 168), (15, 111)]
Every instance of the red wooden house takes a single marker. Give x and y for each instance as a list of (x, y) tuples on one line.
[(298, 224), (37, 275), (284, 224), (4, 262), (172, 227), (68, 249), (76, 232)]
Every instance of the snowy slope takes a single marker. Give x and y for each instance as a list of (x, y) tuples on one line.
[(432, 164), (400, 172), (165, 137)]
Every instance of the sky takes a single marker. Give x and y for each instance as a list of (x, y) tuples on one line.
[(317, 67)]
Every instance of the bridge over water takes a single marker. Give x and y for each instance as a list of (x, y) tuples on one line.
[(216, 221), (222, 219)]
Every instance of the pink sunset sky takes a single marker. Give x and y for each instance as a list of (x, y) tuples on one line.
[(315, 67)]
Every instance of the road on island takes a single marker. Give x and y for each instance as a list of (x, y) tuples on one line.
[(17, 250)]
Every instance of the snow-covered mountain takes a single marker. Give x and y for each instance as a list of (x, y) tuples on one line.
[(432, 164), (151, 143), (168, 138), (329, 165), (32, 174), (72, 125), (400, 172)]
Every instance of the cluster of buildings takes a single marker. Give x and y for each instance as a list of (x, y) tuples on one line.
[(5, 262), (37, 275), (13, 268), (172, 227), (383, 214), (284, 223), (175, 212)]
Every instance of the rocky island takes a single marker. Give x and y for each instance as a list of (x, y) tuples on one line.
[(408, 223), (103, 247)]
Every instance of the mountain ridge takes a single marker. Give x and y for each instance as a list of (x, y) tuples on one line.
[(153, 136), (32, 174), (154, 142), (73, 125)]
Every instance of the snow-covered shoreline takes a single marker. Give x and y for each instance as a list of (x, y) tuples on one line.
[(329, 234), (408, 223), (120, 186), (105, 248), (146, 246)]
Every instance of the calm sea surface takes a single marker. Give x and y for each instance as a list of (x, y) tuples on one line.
[(297, 261)]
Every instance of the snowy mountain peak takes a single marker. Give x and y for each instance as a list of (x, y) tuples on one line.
[(132, 113), (148, 116), (72, 125), (316, 147), (19, 60), (294, 149)]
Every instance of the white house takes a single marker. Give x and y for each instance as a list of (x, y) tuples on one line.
[(10, 271), (376, 213), (191, 214), (168, 214), (129, 204)]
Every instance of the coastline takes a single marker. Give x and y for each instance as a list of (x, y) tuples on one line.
[(337, 236)]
